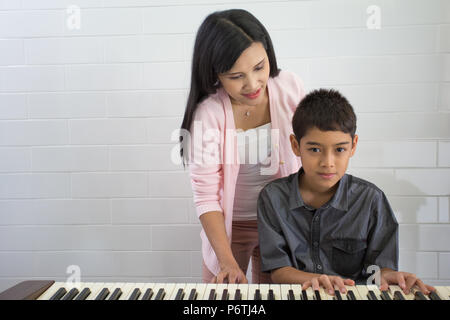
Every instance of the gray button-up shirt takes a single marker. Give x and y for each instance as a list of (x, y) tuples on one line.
[(355, 229)]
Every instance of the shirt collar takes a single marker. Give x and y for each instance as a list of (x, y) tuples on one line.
[(338, 201)]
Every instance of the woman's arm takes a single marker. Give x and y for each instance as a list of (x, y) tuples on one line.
[(214, 225)]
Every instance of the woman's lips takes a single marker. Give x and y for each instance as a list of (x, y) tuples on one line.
[(253, 95)]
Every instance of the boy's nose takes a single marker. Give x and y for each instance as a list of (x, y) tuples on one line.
[(327, 160)]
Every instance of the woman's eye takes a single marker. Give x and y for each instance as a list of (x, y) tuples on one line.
[(235, 78)]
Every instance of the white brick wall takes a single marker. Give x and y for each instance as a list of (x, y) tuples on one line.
[(86, 118)]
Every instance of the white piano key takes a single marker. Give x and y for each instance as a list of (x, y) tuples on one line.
[(355, 292), (284, 289), (363, 292), (187, 290), (145, 287), (169, 288), (177, 287), (251, 291), (324, 294), (310, 294), (219, 291), (52, 290), (156, 289), (127, 290), (244, 290), (297, 288), (84, 285), (232, 287), (209, 287), (96, 287), (276, 291), (448, 291), (113, 287), (138, 285), (264, 291), (409, 296), (201, 290), (442, 292)]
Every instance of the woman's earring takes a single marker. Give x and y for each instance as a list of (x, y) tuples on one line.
[(216, 84)]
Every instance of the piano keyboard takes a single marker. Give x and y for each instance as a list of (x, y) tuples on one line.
[(202, 291)]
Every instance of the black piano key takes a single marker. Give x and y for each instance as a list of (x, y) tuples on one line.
[(291, 295), (434, 296), (337, 295), (116, 294), (317, 295), (103, 294), (135, 294), (304, 295), (83, 294), (193, 295), (147, 294), (257, 295), (71, 294), (160, 295), (398, 295), (212, 294), (385, 295), (225, 294), (418, 295), (58, 294), (270, 296), (350, 295), (180, 294), (371, 295), (237, 295)]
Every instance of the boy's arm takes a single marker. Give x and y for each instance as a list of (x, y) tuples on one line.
[(382, 240), (273, 247), (291, 275)]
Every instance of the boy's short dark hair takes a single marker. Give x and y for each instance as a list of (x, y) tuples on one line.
[(326, 109)]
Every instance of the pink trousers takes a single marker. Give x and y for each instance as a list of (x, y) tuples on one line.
[(244, 245)]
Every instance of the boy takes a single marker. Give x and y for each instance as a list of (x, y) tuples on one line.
[(320, 224)]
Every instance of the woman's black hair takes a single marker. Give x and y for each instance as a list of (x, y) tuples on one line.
[(221, 39)]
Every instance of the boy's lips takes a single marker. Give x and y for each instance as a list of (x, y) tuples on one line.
[(327, 175)]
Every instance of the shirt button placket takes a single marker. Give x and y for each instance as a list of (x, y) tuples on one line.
[(316, 240)]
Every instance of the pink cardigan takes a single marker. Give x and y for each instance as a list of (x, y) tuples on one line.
[(213, 183)]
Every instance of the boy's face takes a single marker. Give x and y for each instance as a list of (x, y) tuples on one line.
[(324, 155)]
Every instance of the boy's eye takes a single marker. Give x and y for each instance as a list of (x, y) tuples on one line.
[(314, 149), (340, 149)]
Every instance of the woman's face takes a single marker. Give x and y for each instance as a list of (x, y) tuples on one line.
[(246, 81)]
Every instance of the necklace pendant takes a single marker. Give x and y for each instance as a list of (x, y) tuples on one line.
[(247, 113)]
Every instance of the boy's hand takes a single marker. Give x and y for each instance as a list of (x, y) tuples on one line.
[(405, 280), (329, 283)]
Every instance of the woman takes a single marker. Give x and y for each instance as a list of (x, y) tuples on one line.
[(237, 91)]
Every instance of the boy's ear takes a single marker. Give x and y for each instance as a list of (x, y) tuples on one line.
[(354, 143), (295, 145)]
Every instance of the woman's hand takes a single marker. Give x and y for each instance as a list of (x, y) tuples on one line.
[(328, 282), (230, 274)]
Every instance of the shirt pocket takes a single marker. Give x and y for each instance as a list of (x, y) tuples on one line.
[(348, 256)]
